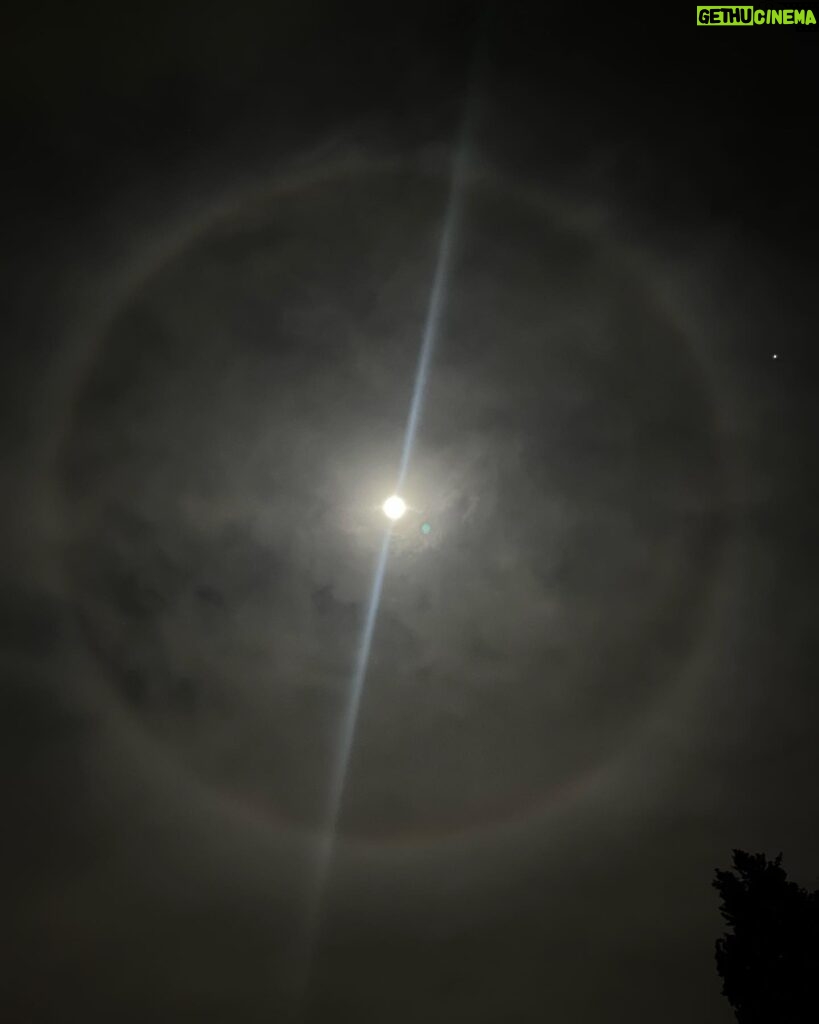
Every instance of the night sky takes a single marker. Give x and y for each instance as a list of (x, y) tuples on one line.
[(592, 668)]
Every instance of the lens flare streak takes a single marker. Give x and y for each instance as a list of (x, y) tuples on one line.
[(341, 762), (433, 321), (339, 772)]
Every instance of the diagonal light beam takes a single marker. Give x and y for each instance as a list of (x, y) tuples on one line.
[(324, 857), (326, 847), (433, 318), (443, 263), (349, 721)]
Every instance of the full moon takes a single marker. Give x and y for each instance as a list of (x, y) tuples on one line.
[(394, 507)]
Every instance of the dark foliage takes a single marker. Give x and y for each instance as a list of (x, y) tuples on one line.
[(769, 958)]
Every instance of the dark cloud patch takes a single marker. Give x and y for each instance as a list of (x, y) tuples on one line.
[(31, 622)]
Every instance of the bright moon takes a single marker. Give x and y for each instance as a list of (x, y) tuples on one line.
[(394, 507)]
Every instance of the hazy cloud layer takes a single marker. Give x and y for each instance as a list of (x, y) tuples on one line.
[(590, 680), (241, 424)]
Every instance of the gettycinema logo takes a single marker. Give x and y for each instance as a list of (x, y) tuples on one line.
[(753, 16)]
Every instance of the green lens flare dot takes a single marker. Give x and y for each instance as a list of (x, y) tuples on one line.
[(426, 528)]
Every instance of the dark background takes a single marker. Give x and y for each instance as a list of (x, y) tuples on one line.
[(594, 679)]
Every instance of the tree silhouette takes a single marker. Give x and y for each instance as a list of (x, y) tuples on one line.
[(769, 963)]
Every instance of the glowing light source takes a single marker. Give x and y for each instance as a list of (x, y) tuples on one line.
[(394, 507)]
